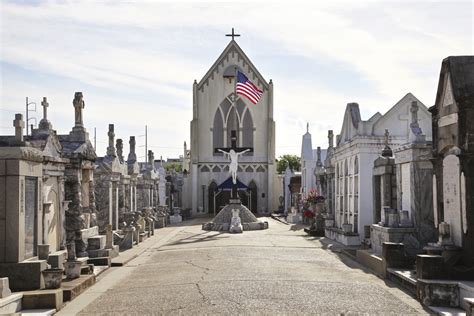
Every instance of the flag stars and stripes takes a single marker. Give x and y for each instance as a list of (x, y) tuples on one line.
[(246, 88)]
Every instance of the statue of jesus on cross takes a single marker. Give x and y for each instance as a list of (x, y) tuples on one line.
[(234, 157)]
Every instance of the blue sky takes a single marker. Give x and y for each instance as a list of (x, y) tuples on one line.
[(136, 62)]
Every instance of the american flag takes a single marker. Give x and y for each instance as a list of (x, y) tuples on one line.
[(246, 88)]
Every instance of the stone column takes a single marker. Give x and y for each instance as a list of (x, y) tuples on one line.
[(135, 197), (116, 204), (111, 201), (62, 216)]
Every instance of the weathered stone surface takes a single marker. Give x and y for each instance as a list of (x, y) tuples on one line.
[(4, 288), (430, 267), (438, 293), (222, 220), (24, 276)]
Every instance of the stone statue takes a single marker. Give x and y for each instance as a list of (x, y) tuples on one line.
[(78, 106), (132, 156), (111, 134), (330, 138), (235, 222), (234, 157), (119, 146)]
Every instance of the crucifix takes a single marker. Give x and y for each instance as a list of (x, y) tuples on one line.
[(233, 152), (233, 34)]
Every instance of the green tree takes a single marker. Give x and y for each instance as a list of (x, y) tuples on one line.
[(293, 160), (176, 166)]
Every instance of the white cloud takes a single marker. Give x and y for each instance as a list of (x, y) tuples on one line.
[(154, 50)]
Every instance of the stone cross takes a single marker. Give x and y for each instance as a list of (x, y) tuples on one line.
[(19, 124), (119, 145), (44, 123), (78, 106), (331, 138), (45, 106), (132, 156), (111, 134)]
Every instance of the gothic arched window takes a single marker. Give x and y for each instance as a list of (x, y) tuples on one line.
[(232, 125), (218, 131), (247, 130)]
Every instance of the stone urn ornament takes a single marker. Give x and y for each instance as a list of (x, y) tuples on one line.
[(72, 266), (52, 278)]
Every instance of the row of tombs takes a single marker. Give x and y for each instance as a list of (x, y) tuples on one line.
[(399, 188), (64, 209)]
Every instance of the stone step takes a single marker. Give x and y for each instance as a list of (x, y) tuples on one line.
[(112, 253), (11, 304), (96, 242), (72, 288), (447, 311), (405, 278), (370, 260), (83, 260), (43, 299), (38, 312), (100, 261), (56, 259)]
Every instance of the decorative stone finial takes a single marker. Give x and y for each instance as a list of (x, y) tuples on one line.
[(331, 138), (161, 161), (111, 134), (318, 157), (19, 124), (151, 158), (79, 104), (119, 146), (44, 123), (132, 156), (387, 151)]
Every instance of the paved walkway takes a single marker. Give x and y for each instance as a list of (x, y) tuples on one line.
[(282, 271)]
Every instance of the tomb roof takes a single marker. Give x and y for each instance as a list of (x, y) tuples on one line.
[(461, 71)]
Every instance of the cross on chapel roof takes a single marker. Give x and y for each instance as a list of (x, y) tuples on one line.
[(233, 34)]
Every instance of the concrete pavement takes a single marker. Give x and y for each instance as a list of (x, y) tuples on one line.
[(277, 271)]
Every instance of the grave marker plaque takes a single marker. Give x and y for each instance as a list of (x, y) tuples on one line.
[(31, 207)]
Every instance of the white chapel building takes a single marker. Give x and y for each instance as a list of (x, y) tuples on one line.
[(217, 115)]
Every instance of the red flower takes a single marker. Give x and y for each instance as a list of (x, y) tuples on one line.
[(308, 214)]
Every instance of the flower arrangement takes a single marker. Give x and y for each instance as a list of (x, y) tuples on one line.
[(314, 197)]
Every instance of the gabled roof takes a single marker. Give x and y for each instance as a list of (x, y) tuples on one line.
[(461, 70), (233, 46)]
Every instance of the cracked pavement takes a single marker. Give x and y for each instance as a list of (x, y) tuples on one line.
[(277, 271)]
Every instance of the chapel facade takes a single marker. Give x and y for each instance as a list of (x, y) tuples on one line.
[(222, 119)]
